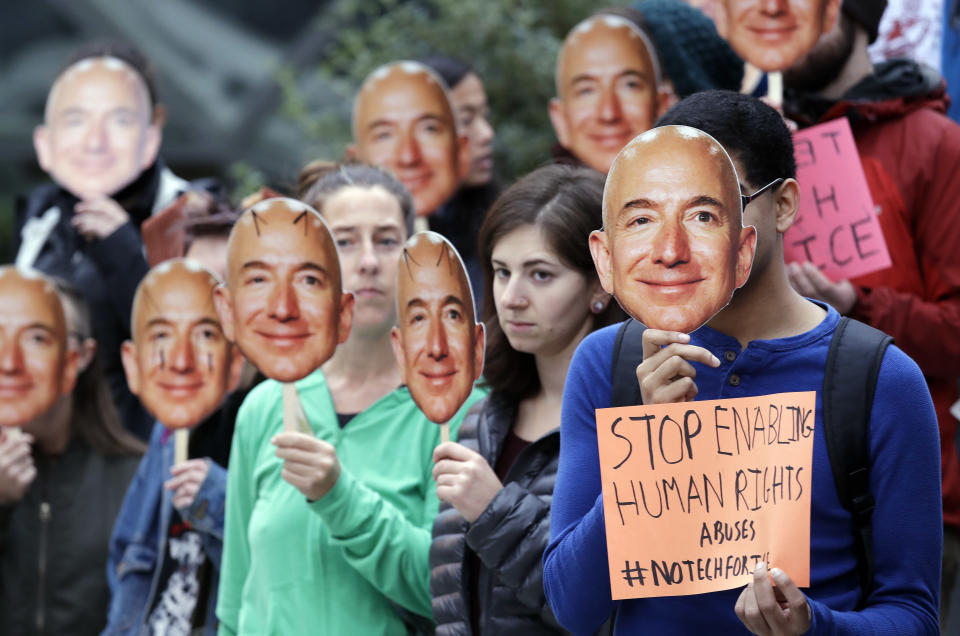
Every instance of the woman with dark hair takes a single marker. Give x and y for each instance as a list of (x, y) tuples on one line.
[(54, 533), (459, 219), (541, 298)]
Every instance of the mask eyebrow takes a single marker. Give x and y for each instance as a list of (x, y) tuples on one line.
[(707, 200)]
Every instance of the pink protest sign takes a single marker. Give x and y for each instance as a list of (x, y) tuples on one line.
[(837, 228)]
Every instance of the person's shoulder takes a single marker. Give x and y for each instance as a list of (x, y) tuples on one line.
[(901, 393), (596, 349)]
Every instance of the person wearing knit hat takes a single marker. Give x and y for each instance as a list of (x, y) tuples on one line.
[(693, 55), (909, 151), (866, 13)]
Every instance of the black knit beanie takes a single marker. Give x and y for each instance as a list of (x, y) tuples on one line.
[(692, 55), (866, 13)]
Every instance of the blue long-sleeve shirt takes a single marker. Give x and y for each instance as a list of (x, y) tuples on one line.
[(904, 479)]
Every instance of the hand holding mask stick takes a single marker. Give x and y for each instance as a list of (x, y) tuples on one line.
[(673, 248), (283, 303), (178, 362), (437, 342)]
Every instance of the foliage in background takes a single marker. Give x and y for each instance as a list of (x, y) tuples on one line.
[(512, 44)]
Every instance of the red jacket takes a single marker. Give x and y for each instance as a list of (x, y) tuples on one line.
[(911, 156)]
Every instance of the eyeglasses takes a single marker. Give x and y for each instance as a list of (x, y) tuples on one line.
[(745, 199)]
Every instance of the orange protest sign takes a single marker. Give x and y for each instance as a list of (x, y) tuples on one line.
[(836, 228), (695, 494)]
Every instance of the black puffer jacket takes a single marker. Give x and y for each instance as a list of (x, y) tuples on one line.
[(509, 537)]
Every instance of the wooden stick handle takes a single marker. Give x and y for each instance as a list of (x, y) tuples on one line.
[(294, 419), (445, 432), (775, 90), (181, 440)]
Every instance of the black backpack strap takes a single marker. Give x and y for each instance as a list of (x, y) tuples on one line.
[(627, 355), (849, 383)]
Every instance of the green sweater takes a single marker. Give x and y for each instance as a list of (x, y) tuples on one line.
[(332, 566)]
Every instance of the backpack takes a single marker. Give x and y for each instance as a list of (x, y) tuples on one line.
[(849, 383)]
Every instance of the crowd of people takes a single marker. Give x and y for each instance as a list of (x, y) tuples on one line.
[(370, 406)]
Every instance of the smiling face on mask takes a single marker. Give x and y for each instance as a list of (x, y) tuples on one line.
[(607, 89), (98, 134), (673, 248), (36, 366), (773, 34), (437, 342), (403, 121), (179, 364), (283, 303)]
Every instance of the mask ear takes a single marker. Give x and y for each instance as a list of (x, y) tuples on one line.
[(479, 346), (346, 317), (745, 252), (130, 369), (666, 97), (830, 13), (601, 259), (559, 121), (85, 354), (396, 341), (41, 146), (68, 377), (224, 306)]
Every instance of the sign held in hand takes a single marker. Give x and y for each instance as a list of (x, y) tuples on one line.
[(695, 494), (836, 228)]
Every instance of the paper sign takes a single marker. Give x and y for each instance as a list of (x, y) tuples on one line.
[(695, 494), (836, 228)]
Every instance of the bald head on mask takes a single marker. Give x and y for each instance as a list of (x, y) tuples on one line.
[(36, 365), (673, 247), (608, 89), (283, 303), (178, 363), (100, 131), (437, 342), (403, 121)]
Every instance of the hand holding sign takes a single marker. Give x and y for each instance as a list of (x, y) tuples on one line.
[(713, 487), (836, 229), (765, 609)]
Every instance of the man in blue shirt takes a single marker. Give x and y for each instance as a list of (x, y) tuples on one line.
[(769, 339)]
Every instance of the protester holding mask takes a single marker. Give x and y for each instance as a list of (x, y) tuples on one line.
[(63, 479), (541, 298), (166, 545), (100, 145), (328, 532)]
